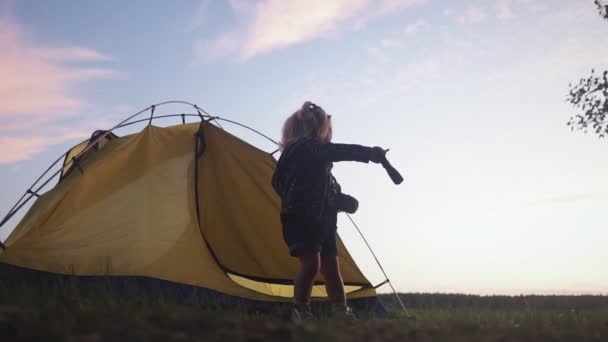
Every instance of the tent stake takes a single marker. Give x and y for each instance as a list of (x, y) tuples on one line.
[(380, 265)]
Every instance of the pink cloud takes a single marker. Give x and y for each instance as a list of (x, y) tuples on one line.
[(24, 139), (274, 24), (16, 149), (279, 23), (34, 80), (76, 54), (38, 87)]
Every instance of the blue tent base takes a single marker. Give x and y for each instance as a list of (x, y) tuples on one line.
[(137, 290)]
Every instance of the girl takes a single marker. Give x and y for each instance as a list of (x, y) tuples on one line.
[(311, 198)]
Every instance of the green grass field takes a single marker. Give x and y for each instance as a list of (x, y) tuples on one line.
[(61, 313)]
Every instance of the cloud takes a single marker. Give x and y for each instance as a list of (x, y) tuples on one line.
[(72, 54), (36, 79), (22, 148), (38, 87), (472, 15), (274, 24), (412, 29), (503, 8), (24, 139)]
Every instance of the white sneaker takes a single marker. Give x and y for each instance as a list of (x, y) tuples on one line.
[(343, 312)]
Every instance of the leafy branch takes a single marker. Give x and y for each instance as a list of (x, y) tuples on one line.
[(590, 95), (602, 6)]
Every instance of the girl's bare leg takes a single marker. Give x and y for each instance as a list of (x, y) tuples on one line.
[(309, 267), (334, 284)]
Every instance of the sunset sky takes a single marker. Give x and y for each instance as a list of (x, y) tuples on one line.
[(500, 196)]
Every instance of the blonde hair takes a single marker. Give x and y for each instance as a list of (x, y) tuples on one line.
[(310, 121)]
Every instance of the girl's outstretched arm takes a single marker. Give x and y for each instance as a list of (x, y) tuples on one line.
[(333, 152)]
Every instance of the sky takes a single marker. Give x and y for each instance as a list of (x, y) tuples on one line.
[(500, 197)]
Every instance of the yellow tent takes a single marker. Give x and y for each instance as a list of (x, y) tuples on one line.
[(190, 204)]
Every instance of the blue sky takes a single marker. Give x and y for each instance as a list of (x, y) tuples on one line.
[(499, 197)]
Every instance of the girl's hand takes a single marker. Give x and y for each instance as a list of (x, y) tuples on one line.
[(348, 204), (378, 155)]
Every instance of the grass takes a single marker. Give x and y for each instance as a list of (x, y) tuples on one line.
[(61, 312)]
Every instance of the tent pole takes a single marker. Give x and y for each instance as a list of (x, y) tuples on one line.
[(380, 265)]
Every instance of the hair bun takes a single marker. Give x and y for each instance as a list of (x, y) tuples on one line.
[(306, 111), (307, 106), (310, 110)]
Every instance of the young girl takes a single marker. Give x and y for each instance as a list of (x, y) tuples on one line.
[(311, 198)]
